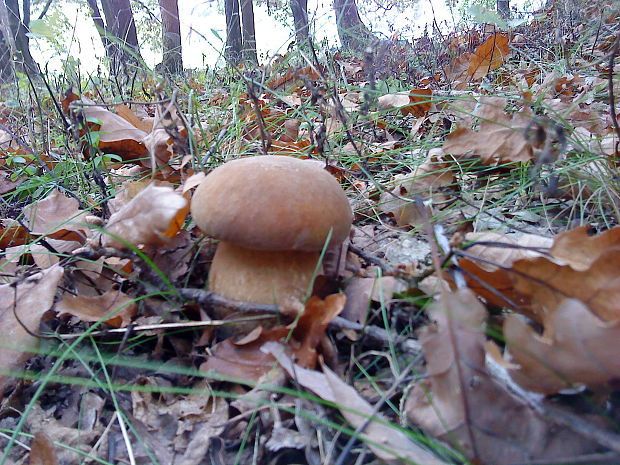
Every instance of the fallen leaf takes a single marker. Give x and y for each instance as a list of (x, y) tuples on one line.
[(431, 180), (576, 348), (462, 404), (548, 284), (115, 134), (489, 55), (116, 307), (579, 249), (387, 442), (361, 291), (27, 300), (499, 139), (152, 217), (244, 361), (42, 450), (58, 217)]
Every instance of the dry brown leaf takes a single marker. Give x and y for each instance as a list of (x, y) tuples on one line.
[(29, 300), (579, 249), (489, 55), (244, 360), (494, 286), (159, 144), (499, 139), (116, 134), (127, 113), (44, 258), (42, 450), (576, 348), (117, 308), (416, 102), (548, 284), (387, 442), (13, 234), (430, 180), (312, 324), (74, 440), (57, 216), (7, 184), (463, 405), (152, 217), (360, 291), (514, 249)]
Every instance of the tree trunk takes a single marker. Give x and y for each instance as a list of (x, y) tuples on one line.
[(503, 8), (117, 30), (6, 64), (353, 33), (18, 30), (95, 13), (248, 34), (232, 49), (171, 31), (299, 8)]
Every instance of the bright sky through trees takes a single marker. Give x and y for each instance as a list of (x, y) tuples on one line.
[(203, 30)]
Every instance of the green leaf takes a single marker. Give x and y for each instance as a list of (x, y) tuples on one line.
[(40, 28), (483, 15)]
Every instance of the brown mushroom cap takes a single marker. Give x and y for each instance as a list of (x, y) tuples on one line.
[(272, 203)]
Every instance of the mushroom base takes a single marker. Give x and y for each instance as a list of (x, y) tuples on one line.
[(259, 276)]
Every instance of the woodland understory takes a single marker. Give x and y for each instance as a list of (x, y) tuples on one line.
[(470, 316)]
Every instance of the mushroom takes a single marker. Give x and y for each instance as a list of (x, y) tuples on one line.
[(273, 215)]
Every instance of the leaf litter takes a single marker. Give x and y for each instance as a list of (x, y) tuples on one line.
[(492, 366)]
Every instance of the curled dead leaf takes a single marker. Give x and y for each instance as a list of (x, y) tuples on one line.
[(461, 403), (57, 216), (152, 217), (499, 139), (27, 300), (116, 307), (576, 348)]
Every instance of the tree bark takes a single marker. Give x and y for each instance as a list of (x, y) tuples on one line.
[(248, 33), (299, 8), (18, 29), (117, 30), (353, 33), (503, 8), (95, 13), (6, 64), (171, 31), (232, 49)]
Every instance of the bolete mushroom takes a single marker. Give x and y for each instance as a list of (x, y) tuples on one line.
[(272, 215)]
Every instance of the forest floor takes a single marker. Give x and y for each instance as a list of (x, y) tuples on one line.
[(470, 316)]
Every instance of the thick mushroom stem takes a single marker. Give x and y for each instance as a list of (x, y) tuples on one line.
[(262, 276)]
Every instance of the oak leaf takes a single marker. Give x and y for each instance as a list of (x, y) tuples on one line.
[(22, 304), (461, 403), (576, 348), (489, 55), (152, 217), (499, 139), (116, 307)]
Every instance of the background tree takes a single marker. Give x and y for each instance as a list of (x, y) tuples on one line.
[(503, 8), (6, 67), (299, 8), (117, 29), (171, 34), (248, 33), (232, 48), (353, 33), (18, 28), (240, 31)]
